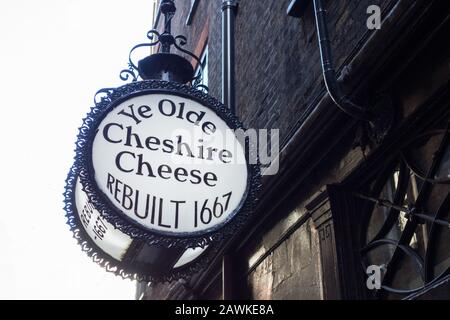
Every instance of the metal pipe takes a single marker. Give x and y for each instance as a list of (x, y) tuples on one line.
[(229, 8), (228, 277), (406, 211), (335, 92), (167, 8)]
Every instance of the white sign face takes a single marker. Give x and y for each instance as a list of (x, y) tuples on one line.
[(188, 256), (170, 164), (110, 240)]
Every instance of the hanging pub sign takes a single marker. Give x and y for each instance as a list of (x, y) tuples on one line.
[(164, 165), (162, 171), (159, 177)]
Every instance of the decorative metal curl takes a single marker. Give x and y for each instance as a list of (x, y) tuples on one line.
[(105, 94), (126, 73), (180, 42), (200, 87), (151, 36), (416, 170), (154, 37)]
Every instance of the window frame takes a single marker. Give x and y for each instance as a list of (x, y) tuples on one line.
[(190, 16)]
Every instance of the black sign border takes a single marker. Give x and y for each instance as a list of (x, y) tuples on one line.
[(119, 219), (125, 269)]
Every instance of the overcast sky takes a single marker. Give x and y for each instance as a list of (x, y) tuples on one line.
[(54, 55)]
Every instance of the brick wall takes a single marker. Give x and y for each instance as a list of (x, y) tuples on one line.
[(278, 63), (278, 82), (278, 78)]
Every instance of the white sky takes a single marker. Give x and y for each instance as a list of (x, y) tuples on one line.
[(54, 55)]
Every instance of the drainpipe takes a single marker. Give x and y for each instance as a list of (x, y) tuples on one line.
[(342, 101), (229, 9)]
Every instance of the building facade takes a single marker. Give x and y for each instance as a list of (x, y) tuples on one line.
[(357, 209)]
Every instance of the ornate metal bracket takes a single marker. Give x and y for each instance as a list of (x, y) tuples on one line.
[(165, 65)]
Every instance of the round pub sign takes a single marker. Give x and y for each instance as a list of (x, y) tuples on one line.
[(167, 164)]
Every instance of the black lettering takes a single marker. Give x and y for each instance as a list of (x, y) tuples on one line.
[(177, 210), (164, 169), (198, 116), (109, 182), (142, 163), (136, 206), (180, 113), (201, 150), (167, 146), (144, 112), (119, 157), (223, 154), (117, 189), (196, 175), (136, 203), (126, 195), (172, 107), (212, 178), (210, 126), (153, 210), (180, 172), (132, 115), (130, 134), (160, 215), (195, 214), (183, 144), (106, 131), (211, 151), (152, 141)]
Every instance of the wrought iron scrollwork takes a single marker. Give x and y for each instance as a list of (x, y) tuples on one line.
[(133, 70), (103, 94), (166, 40), (126, 73), (196, 82), (420, 202)]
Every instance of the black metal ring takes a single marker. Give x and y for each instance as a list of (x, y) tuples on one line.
[(412, 167), (125, 224)]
